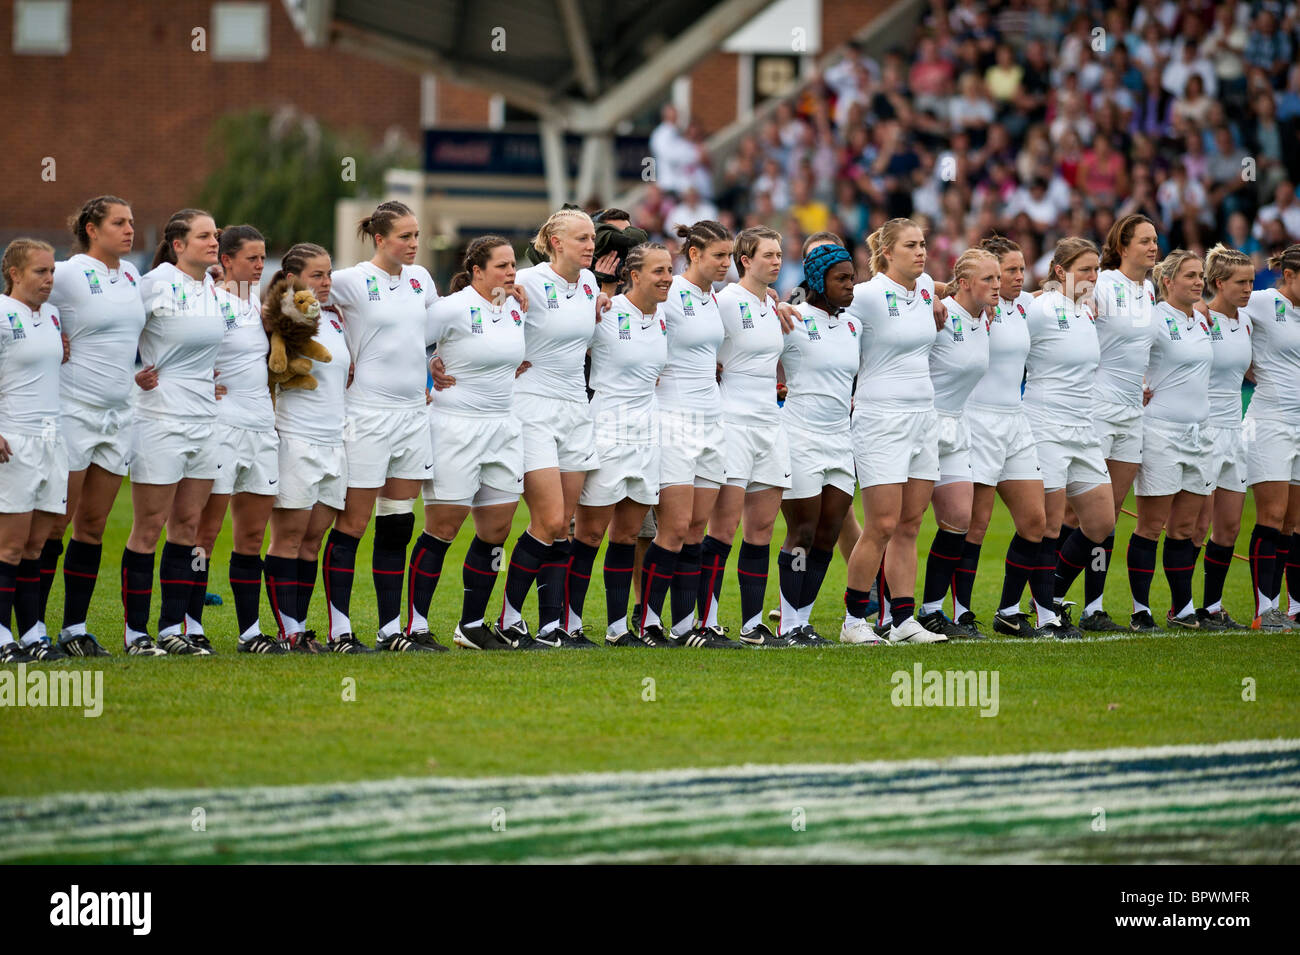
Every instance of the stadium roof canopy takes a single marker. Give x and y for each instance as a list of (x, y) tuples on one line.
[(580, 65)]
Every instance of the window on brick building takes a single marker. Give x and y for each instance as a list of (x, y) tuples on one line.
[(41, 27), (241, 31)]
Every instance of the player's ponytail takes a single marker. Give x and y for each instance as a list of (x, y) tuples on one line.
[(701, 235), (94, 211), (176, 229), (559, 220), (1288, 260), (1166, 269), (296, 259), (883, 239), (999, 245), (477, 255), (1220, 262), (635, 260), (380, 222)]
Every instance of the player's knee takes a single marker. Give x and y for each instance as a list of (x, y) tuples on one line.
[(1031, 527)]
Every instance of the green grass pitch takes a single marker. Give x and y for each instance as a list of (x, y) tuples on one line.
[(239, 720)]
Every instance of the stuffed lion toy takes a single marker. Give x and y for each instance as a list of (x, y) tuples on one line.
[(292, 317)]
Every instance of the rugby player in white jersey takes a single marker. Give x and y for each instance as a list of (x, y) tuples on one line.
[(33, 460), (386, 429), (627, 354), (97, 295), (248, 472), (692, 442), (1123, 300), (174, 450), (1004, 462), (313, 467), (478, 332), (1061, 374), (895, 429), (820, 359), (1272, 436), (1173, 480), (561, 296), (758, 455), (1229, 278), (958, 361)]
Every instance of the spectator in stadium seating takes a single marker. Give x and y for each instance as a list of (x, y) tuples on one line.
[(1269, 47), (1194, 104), (1283, 208), (690, 210), (672, 153)]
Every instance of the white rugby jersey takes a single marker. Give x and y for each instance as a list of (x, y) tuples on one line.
[(31, 350), (384, 319), (751, 347), (241, 366), (317, 416), (1179, 373), (1008, 332), (695, 333), (102, 313), (182, 334), (627, 355), (481, 345), (897, 336), (1124, 333), (959, 359), (1062, 362), (1231, 340), (820, 358), (558, 326), (1275, 350)]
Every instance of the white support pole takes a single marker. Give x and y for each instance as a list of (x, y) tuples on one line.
[(553, 160)]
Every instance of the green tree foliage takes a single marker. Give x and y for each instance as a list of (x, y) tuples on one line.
[(283, 172)]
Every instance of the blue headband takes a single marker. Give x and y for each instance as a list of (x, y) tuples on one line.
[(818, 261)]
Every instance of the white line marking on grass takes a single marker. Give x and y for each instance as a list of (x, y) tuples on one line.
[(1039, 805)]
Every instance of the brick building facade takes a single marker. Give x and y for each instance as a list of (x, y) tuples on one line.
[(128, 107)]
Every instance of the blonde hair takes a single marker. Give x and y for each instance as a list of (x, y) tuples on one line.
[(552, 226), (747, 243), (1168, 267), (964, 267), (1068, 250), (883, 239), (16, 255), (1220, 262)]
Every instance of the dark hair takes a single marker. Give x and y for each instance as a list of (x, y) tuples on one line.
[(177, 227), (701, 234), (999, 245), (380, 222), (232, 238), (635, 259), (477, 255), (96, 211), (1121, 234), (1286, 260), (612, 215), (295, 260), (818, 237)]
